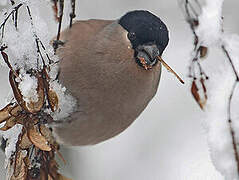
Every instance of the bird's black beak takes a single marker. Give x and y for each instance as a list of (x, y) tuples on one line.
[(146, 55)]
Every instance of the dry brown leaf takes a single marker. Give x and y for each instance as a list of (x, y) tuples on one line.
[(5, 58), (16, 91), (202, 81), (9, 124), (194, 91), (4, 113), (15, 110), (19, 162), (25, 142), (204, 87), (203, 51), (20, 170), (53, 100), (45, 131), (8, 111), (38, 139)]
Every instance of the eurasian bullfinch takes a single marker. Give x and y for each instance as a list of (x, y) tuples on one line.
[(113, 70)]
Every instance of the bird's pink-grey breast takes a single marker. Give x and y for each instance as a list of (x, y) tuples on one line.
[(100, 67)]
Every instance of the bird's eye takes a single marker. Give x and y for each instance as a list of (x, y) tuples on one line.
[(131, 36)]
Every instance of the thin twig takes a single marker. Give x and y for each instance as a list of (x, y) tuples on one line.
[(230, 61), (15, 18), (57, 42), (231, 128), (38, 41), (229, 106), (44, 48), (60, 19), (2, 26), (196, 71), (12, 2), (72, 14)]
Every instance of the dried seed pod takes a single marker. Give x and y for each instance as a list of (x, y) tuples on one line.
[(194, 91), (203, 51), (15, 110), (203, 85), (9, 124), (16, 91), (8, 111), (5, 58), (20, 172), (25, 142), (53, 100), (4, 113), (45, 131), (38, 139)]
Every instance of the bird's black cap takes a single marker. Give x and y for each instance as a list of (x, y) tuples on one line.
[(146, 27)]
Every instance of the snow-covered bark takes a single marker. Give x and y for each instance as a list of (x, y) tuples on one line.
[(38, 98), (221, 91)]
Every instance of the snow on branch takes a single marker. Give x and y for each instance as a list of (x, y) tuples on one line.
[(219, 102), (38, 99)]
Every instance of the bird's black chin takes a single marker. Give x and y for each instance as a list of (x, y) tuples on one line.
[(146, 56)]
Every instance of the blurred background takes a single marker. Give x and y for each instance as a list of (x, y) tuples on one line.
[(168, 141)]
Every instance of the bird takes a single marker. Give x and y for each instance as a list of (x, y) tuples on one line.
[(113, 69)]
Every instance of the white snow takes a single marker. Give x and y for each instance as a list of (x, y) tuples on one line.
[(11, 136), (23, 55), (210, 33), (27, 86), (219, 137), (210, 21), (67, 103)]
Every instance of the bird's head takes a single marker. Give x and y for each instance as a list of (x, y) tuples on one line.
[(147, 34)]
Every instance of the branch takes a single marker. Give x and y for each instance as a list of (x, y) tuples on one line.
[(229, 107), (38, 41), (34, 155), (57, 42), (201, 51), (15, 9), (72, 14), (196, 71)]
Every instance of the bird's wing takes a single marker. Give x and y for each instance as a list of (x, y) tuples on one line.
[(81, 31)]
